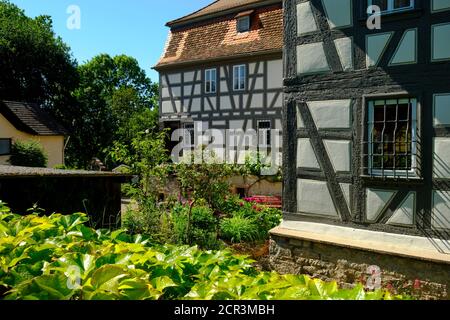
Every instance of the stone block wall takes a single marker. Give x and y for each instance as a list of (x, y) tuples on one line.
[(420, 279)]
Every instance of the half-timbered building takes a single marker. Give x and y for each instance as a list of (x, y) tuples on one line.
[(222, 69)]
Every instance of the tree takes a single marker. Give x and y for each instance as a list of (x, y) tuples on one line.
[(117, 101), (205, 179), (35, 64)]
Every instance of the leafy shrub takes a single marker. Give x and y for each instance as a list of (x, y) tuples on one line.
[(60, 258), (261, 217), (149, 219), (231, 203), (204, 226), (239, 229), (28, 154)]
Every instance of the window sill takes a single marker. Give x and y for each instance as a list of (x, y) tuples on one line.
[(411, 179)]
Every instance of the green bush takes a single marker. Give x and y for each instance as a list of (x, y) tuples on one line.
[(149, 219), (203, 230), (230, 203), (28, 154), (60, 258), (239, 229)]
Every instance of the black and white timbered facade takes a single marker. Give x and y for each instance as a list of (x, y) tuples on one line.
[(222, 70), (367, 117)]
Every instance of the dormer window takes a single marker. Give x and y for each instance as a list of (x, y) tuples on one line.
[(390, 6), (243, 24)]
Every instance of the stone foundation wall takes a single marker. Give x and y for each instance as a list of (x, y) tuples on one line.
[(418, 278)]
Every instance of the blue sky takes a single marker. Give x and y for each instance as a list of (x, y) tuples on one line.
[(133, 27)]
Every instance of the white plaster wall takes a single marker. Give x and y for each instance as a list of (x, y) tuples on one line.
[(189, 76), (225, 103), (278, 124), (306, 157), (300, 123), (440, 40), (257, 101), (340, 154), (376, 201), (331, 114), (165, 92), (306, 23), (174, 78), (223, 86), (311, 58), (441, 156), (275, 74), (339, 13), (237, 124), (167, 107), (259, 83), (404, 215), (196, 105), (346, 190), (344, 47), (176, 91), (278, 102), (442, 109), (440, 217), (314, 197)]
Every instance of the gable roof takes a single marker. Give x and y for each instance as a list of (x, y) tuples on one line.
[(217, 38), (30, 118), (219, 7)]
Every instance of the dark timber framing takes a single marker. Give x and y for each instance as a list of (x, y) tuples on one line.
[(420, 80), (211, 109)]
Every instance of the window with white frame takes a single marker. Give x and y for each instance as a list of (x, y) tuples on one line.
[(239, 77), (5, 147), (392, 137), (264, 133), (210, 80), (243, 24), (388, 6)]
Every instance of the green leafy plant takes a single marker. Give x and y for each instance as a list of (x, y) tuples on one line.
[(60, 258), (239, 229), (204, 225), (28, 154)]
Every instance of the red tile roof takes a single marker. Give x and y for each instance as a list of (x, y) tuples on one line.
[(218, 38), (219, 6)]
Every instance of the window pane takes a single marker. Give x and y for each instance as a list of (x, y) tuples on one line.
[(5, 145), (383, 4), (391, 139), (398, 4), (236, 78), (243, 24), (242, 78)]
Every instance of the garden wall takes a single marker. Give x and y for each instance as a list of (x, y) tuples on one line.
[(421, 278)]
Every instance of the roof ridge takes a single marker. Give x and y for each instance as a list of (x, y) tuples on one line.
[(197, 11)]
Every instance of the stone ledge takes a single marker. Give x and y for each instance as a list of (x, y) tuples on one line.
[(372, 241)]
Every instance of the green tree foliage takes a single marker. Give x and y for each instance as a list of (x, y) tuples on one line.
[(28, 154), (117, 101), (35, 64)]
